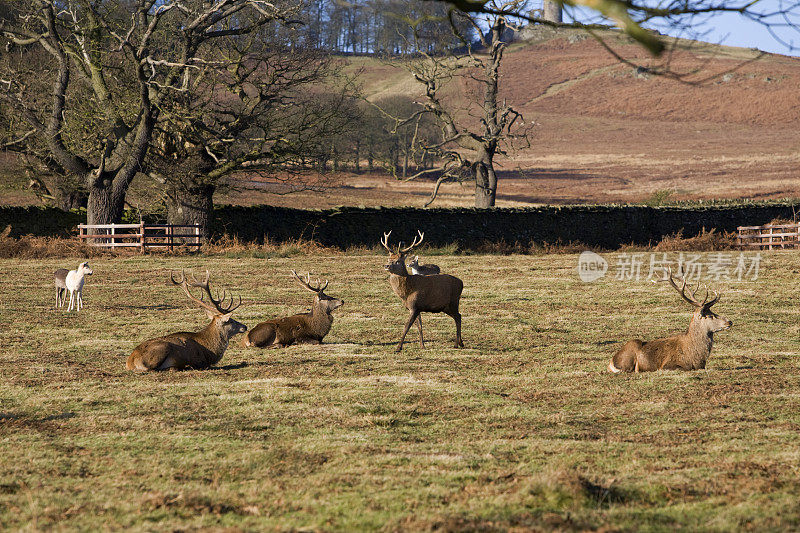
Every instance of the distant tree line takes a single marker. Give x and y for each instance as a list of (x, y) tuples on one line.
[(379, 27)]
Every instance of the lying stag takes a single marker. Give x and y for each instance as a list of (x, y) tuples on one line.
[(423, 270), (437, 293), (191, 350), (687, 351), (305, 328)]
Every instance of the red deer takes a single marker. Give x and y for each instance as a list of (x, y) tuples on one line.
[(191, 350), (305, 328), (423, 270), (687, 351), (437, 293)]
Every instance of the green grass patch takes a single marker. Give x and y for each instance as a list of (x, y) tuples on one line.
[(522, 429)]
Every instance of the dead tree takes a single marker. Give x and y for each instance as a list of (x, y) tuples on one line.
[(466, 148)]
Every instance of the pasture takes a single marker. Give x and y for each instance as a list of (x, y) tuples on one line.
[(523, 429)]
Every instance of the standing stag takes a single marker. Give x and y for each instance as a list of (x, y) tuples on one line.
[(687, 351), (437, 293), (186, 349), (305, 328)]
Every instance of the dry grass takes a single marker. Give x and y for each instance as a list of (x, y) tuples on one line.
[(28, 247), (705, 241), (521, 430)]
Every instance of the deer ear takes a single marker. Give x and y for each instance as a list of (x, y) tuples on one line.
[(226, 317), (211, 314)]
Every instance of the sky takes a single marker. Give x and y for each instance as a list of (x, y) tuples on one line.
[(735, 30)]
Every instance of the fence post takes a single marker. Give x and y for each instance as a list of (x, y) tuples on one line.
[(142, 243), (169, 239)]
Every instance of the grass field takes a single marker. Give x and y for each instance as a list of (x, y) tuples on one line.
[(524, 429)]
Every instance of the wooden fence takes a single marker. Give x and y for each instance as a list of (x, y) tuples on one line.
[(769, 236), (142, 236)]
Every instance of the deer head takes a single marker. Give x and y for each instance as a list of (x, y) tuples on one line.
[(703, 317), (219, 314), (321, 300), (397, 257), (84, 270)]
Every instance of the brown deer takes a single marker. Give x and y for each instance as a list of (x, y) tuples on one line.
[(305, 328), (437, 293), (687, 351), (191, 350)]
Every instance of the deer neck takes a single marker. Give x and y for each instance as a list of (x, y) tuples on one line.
[(321, 320), (698, 340), (400, 284), (213, 338)]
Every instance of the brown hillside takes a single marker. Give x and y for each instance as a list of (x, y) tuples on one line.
[(582, 78)]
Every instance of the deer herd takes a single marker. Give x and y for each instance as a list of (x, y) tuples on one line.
[(423, 290)]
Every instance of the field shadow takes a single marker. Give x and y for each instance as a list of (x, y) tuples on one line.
[(233, 366), (568, 174)]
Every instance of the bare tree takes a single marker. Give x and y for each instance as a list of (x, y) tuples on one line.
[(110, 68), (472, 137), (257, 109)]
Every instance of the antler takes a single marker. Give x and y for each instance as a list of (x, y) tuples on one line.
[(690, 298), (307, 284), (400, 249), (413, 244), (216, 303), (385, 241)]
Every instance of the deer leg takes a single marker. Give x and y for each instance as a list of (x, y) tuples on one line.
[(419, 327), (79, 302), (411, 319), (71, 300), (457, 318)]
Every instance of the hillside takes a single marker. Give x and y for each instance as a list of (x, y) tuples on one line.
[(605, 132)]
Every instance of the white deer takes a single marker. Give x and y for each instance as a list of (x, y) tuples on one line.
[(74, 284)]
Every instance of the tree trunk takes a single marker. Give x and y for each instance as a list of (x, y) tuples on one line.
[(485, 183), (552, 11), (106, 204), (191, 205), (335, 158)]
